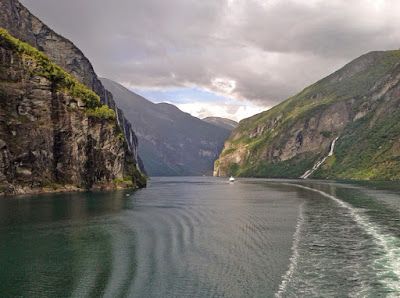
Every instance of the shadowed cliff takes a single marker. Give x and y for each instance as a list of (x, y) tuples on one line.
[(55, 134), (28, 28)]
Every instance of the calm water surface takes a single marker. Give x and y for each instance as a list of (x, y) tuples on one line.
[(205, 237)]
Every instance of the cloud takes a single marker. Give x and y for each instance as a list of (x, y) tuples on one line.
[(201, 103), (252, 50), (232, 111)]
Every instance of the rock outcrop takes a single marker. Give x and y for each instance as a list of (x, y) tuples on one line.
[(50, 139), (23, 25), (359, 104)]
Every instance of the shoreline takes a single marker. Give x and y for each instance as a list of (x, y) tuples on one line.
[(26, 191)]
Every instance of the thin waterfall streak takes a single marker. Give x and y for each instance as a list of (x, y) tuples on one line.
[(318, 164)]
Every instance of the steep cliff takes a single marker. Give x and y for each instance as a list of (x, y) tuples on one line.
[(357, 105), (23, 25), (54, 132), (172, 143)]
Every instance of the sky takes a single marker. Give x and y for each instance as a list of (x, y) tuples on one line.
[(227, 58)]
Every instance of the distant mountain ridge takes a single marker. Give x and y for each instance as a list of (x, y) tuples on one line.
[(346, 125), (172, 142), (221, 122)]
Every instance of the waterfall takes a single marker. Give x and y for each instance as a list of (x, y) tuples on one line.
[(318, 164)]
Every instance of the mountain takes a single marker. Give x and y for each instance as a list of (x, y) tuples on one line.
[(171, 142), (55, 135), (26, 27), (346, 125), (221, 122)]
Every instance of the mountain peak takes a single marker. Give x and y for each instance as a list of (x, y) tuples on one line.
[(221, 122)]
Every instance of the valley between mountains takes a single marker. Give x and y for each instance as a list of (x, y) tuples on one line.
[(63, 128)]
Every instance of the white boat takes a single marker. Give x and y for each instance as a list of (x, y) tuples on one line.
[(231, 179)]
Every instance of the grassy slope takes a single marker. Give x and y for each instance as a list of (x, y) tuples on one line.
[(50, 70), (359, 153)]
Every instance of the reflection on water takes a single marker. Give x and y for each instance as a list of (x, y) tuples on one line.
[(55, 207), (199, 236), (60, 245)]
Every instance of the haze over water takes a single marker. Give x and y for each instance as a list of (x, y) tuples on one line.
[(205, 237)]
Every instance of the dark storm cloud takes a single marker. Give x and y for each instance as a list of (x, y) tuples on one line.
[(262, 51)]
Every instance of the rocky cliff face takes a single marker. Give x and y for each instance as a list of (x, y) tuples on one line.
[(172, 143), (359, 105), (49, 139), (21, 24)]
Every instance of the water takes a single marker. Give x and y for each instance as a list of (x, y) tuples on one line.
[(205, 237)]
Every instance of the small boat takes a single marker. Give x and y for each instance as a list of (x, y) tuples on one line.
[(231, 179)]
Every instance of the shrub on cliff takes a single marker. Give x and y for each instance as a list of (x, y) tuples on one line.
[(103, 112)]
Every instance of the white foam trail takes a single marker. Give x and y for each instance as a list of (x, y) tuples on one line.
[(295, 253), (318, 164), (390, 261)]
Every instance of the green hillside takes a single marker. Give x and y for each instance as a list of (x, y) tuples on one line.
[(364, 95)]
